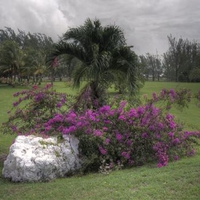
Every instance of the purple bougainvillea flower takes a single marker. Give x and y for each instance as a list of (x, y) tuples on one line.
[(102, 150), (104, 109), (58, 105), (15, 104), (125, 155), (107, 141), (47, 128), (122, 117), (176, 141), (176, 157), (172, 93), (35, 87), (171, 134), (104, 128), (154, 96), (98, 133), (16, 94), (118, 136), (140, 110), (144, 135), (129, 142)]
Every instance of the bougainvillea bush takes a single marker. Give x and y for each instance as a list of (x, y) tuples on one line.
[(34, 107), (127, 137), (112, 136)]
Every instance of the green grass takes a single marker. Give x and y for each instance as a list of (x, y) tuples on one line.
[(6, 99), (179, 180)]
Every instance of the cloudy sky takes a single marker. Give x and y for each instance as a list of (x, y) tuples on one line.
[(146, 23)]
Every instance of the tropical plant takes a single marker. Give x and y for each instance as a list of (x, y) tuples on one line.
[(23, 56), (103, 58), (35, 65), (12, 59)]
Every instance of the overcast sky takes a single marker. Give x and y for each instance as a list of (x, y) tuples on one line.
[(146, 23)]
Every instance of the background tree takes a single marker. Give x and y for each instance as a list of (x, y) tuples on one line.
[(181, 58), (151, 66), (35, 65), (23, 55), (24, 40), (12, 60), (195, 75), (66, 65)]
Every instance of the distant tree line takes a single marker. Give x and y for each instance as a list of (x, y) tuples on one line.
[(151, 66), (24, 58), (23, 55), (181, 62)]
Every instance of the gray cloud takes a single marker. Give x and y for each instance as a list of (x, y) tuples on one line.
[(145, 23)]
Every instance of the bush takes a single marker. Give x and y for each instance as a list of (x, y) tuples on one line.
[(111, 136), (128, 136), (133, 137)]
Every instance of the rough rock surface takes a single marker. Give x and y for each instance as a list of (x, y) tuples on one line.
[(34, 158)]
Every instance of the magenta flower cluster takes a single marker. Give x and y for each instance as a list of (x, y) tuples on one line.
[(132, 137), (171, 97)]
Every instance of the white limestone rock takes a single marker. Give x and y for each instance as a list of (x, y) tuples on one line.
[(34, 158)]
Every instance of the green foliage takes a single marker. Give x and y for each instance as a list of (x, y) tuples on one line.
[(195, 75), (24, 40), (11, 59), (182, 57), (23, 56), (151, 66)]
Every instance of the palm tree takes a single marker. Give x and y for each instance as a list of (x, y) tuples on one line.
[(12, 59), (35, 65), (102, 58)]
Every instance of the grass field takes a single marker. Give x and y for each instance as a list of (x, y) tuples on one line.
[(179, 180)]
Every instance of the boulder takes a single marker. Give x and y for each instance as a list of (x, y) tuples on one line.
[(34, 158)]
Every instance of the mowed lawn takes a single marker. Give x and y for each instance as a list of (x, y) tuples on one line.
[(179, 180)]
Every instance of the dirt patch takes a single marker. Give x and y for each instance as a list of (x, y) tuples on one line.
[(3, 157)]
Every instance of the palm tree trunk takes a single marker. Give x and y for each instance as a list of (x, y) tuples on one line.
[(92, 97)]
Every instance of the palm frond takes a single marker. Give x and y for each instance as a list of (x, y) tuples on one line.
[(72, 49), (80, 73), (113, 38)]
